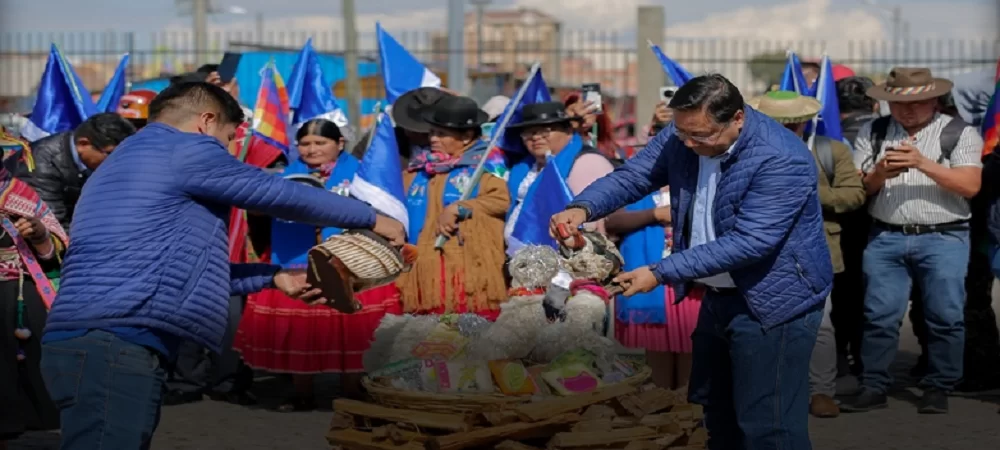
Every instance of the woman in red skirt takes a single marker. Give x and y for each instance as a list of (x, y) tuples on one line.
[(654, 321), (283, 335)]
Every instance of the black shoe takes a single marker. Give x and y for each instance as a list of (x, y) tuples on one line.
[(236, 398), (920, 369), (867, 400), (174, 398), (934, 401)]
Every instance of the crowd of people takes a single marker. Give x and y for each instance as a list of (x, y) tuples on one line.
[(762, 262)]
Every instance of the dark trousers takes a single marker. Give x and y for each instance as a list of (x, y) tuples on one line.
[(982, 339), (199, 370), (108, 391), (848, 297), (752, 382)]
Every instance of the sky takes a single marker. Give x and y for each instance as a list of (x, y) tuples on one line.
[(928, 19)]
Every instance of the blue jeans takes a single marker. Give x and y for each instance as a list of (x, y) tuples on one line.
[(752, 382), (108, 391), (938, 263)]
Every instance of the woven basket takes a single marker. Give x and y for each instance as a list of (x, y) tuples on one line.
[(367, 256), (464, 403)]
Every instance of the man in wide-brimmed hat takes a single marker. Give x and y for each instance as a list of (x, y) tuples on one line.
[(840, 191), (920, 168)]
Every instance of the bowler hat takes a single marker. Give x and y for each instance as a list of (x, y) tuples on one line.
[(538, 114), (408, 109), (454, 112)]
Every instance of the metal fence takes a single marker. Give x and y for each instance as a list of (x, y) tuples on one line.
[(568, 57)]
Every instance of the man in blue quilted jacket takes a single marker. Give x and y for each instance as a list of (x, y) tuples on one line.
[(748, 227), (149, 264)]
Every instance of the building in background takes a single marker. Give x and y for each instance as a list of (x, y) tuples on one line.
[(512, 39)]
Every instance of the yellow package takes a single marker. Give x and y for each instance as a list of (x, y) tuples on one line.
[(512, 378), (572, 379), (443, 343)]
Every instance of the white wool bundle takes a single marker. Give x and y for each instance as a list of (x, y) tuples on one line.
[(417, 328), (514, 333), (581, 329), (383, 340)]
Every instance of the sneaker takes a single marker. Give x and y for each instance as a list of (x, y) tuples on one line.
[(934, 401), (867, 400)]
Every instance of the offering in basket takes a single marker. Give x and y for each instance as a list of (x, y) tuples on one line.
[(354, 261), (590, 255)]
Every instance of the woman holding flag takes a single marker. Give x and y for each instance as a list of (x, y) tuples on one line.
[(466, 275), (284, 335)]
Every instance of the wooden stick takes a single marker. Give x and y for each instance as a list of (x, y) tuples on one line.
[(359, 440), (601, 438), (548, 408), (486, 436), (513, 445), (423, 419)]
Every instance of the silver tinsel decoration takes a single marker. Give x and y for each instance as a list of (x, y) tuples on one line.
[(533, 266), (471, 325)]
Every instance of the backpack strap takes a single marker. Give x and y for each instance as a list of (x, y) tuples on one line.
[(950, 135), (880, 129), (824, 153)]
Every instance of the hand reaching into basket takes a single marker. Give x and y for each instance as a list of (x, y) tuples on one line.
[(391, 229), (293, 283)]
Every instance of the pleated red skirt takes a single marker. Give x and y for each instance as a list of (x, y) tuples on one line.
[(284, 335), (673, 336)]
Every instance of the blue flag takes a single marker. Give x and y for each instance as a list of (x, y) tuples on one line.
[(677, 73), (827, 122), (309, 93), (113, 92), (536, 91), (63, 102), (401, 72), (793, 79), (547, 197), (379, 179)]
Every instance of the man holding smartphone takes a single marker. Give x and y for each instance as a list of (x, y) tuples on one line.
[(920, 181)]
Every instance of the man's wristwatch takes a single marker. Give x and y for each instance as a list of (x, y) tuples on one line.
[(586, 210)]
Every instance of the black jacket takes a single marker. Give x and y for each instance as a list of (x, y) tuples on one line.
[(56, 178)]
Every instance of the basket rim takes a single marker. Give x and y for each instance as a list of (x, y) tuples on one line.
[(377, 389)]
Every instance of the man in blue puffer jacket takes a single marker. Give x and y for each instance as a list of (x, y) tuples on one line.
[(749, 228), (149, 263)]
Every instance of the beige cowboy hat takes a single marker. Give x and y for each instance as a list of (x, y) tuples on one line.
[(786, 106), (908, 84)]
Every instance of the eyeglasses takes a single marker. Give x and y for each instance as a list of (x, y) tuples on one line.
[(529, 133), (710, 139)]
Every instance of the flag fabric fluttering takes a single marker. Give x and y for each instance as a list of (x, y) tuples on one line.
[(379, 179), (496, 164), (793, 79), (827, 122), (270, 115), (677, 73), (401, 71), (536, 91), (991, 120), (63, 102), (309, 93), (548, 196), (113, 92)]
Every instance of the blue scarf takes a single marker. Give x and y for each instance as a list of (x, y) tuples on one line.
[(642, 248), (460, 173), (290, 241), (563, 160)]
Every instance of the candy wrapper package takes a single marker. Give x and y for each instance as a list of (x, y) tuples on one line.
[(444, 342), (467, 377), (541, 388), (572, 379), (512, 378), (405, 374)]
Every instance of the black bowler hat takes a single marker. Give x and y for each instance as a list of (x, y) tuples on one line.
[(408, 109), (538, 114), (458, 113)]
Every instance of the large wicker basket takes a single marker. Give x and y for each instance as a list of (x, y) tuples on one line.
[(351, 262), (463, 403)]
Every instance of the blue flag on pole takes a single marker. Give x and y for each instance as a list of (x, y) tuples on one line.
[(113, 92), (379, 179), (677, 73), (63, 102), (547, 198), (793, 79), (535, 92), (401, 72), (827, 122)]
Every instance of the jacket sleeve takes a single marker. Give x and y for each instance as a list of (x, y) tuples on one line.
[(492, 200), (638, 177), (206, 171), (777, 194), (847, 193), (247, 279)]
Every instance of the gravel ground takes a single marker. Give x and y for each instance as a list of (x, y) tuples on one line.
[(973, 423)]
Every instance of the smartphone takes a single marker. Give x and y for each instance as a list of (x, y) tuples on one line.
[(227, 68), (592, 94), (894, 149), (667, 93)]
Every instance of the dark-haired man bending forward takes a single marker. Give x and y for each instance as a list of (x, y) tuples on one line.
[(752, 235)]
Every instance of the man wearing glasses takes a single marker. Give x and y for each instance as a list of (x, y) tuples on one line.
[(752, 236)]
